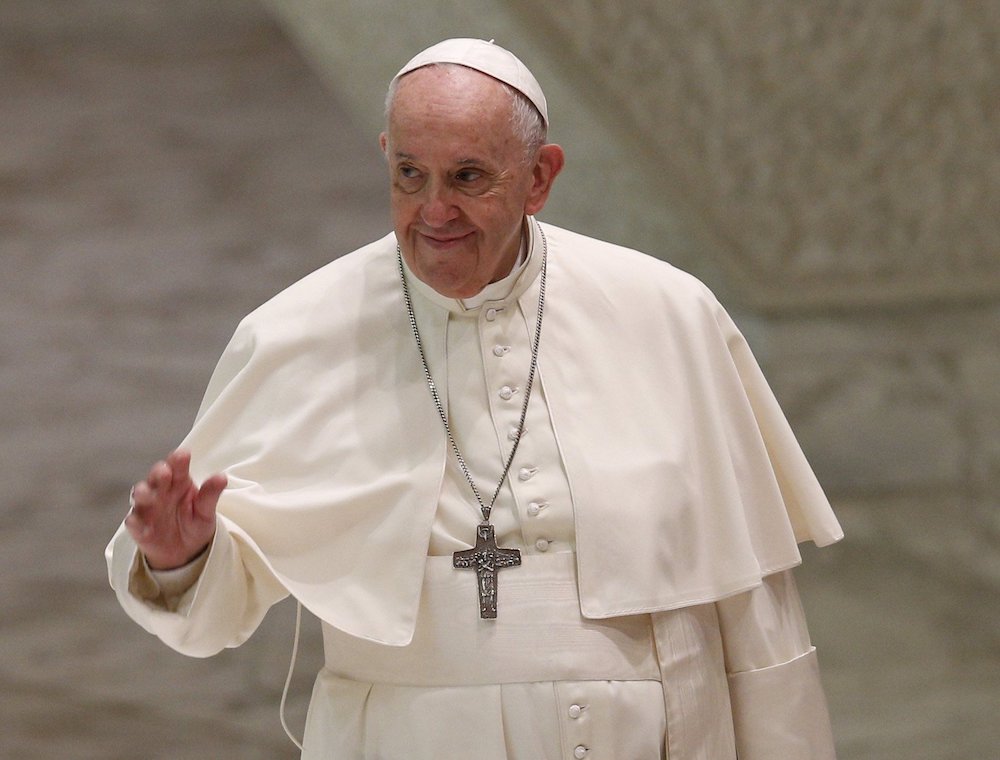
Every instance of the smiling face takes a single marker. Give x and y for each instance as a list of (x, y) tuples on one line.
[(460, 181)]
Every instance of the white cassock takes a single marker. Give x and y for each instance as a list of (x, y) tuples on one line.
[(657, 498)]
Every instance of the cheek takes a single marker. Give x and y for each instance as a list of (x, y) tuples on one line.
[(402, 208)]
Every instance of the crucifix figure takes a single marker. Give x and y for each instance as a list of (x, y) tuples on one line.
[(486, 558)]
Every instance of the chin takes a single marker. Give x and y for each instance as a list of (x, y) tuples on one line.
[(449, 289), (432, 271)]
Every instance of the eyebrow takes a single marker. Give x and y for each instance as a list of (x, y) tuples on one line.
[(461, 162)]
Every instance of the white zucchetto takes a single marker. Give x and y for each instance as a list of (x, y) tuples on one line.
[(488, 58)]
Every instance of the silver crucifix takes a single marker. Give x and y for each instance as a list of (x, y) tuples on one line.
[(486, 558)]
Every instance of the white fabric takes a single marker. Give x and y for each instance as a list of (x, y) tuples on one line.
[(462, 677), (501, 288), (170, 585), (300, 390), (686, 482), (222, 609), (740, 678), (705, 654), (773, 671), (533, 511), (781, 711), (488, 58), (517, 721), (539, 634)]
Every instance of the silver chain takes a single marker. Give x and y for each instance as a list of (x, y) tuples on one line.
[(485, 508)]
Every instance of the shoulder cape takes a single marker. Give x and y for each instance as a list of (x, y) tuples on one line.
[(688, 484)]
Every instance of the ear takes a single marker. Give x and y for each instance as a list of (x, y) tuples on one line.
[(383, 142), (547, 167)]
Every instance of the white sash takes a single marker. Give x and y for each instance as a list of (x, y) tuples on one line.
[(539, 634)]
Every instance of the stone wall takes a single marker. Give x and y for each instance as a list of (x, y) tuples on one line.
[(847, 153), (898, 413)]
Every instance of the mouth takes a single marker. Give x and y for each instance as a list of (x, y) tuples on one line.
[(443, 242)]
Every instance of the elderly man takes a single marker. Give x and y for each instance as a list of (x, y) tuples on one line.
[(533, 485)]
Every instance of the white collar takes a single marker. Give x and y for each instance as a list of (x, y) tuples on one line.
[(499, 290)]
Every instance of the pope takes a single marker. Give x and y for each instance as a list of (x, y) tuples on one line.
[(533, 485)]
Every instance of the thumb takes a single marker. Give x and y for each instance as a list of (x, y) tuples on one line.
[(207, 498)]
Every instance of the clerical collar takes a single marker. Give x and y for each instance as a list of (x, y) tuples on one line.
[(525, 271), (499, 290)]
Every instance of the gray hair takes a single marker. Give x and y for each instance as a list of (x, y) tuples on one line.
[(526, 121)]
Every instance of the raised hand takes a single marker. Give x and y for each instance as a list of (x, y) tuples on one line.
[(172, 519)]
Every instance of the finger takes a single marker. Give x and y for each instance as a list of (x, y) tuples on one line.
[(179, 462), (137, 527), (160, 476), (142, 496)]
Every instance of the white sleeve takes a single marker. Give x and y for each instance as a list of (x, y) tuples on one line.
[(221, 606), (779, 709), (166, 587)]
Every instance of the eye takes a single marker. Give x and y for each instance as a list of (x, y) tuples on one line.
[(468, 176), (408, 178)]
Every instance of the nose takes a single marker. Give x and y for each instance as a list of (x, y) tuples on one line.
[(438, 207)]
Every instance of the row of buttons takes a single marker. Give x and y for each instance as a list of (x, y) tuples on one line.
[(525, 474), (580, 751), (535, 507)]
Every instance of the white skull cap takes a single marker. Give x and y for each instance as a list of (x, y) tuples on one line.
[(488, 58)]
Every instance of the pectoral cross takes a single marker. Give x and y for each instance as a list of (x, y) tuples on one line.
[(486, 559)]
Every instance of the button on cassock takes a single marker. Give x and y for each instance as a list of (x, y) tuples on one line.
[(580, 752), (526, 473)]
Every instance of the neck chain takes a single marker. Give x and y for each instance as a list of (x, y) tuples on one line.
[(483, 506), (486, 558)]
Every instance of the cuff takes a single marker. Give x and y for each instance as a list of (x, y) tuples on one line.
[(780, 711), (165, 588)]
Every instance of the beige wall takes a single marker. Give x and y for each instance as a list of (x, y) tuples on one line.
[(848, 152), (832, 170)]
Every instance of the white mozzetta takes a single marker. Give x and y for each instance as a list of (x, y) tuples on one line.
[(687, 484)]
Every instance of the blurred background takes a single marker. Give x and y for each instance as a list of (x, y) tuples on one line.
[(830, 169)]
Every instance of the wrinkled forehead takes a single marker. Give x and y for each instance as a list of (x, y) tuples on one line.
[(487, 58)]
